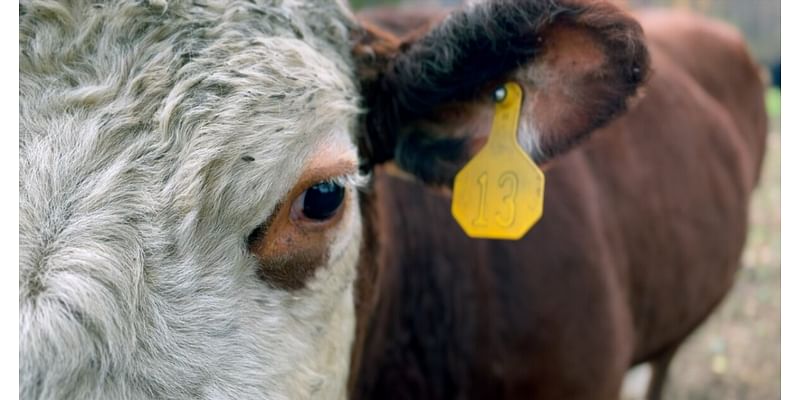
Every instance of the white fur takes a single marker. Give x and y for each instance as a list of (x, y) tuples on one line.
[(529, 136), (135, 202), (634, 387)]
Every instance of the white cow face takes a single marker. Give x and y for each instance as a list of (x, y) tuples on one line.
[(188, 217)]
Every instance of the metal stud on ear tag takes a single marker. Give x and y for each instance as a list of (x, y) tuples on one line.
[(500, 192)]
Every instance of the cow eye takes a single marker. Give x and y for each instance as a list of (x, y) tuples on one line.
[(321, 201)]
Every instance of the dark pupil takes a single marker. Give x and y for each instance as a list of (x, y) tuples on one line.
[(322, 200)]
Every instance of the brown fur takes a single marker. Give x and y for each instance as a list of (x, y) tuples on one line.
[(403, 22), (641, 236)]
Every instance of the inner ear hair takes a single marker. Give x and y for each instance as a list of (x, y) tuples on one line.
[(589, 67)]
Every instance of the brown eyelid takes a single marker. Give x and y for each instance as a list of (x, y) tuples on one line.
[(315, 174), (291, 247)]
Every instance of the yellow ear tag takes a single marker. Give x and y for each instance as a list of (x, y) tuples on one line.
[(500, 192)]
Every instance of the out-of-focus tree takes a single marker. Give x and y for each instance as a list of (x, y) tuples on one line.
[(359, 4), (759, 20)]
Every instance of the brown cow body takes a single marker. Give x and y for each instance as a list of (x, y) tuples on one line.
[(641, 237)]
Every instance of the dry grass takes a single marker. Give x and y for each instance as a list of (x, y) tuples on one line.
[(736, 353)]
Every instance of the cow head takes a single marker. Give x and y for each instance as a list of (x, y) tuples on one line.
[(189, 226), (188, 220), (429, 93)]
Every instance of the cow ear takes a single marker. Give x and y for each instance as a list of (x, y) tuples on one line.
[(429, 100)]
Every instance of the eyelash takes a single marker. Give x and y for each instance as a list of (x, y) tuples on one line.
[(355, 181), (351, 181)]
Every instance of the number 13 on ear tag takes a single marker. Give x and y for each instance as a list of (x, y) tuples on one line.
[(500, 192)]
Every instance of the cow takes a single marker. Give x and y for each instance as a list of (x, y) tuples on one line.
[(205, 210), (643, 224)]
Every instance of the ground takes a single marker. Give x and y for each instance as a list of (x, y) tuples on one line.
[(736, 354)]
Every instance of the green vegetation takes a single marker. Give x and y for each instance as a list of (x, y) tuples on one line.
[(774, 102), (359, 4)]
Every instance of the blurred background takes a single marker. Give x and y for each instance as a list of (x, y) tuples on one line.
[(736, 353)]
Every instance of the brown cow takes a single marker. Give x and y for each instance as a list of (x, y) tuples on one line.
[(643, 225)]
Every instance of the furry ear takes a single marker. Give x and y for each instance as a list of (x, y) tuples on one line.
[(429, 95)]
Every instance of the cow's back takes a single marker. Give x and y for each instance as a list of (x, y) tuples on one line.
[(674, 177), (700, 137), (641, 236), (715, 55)]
